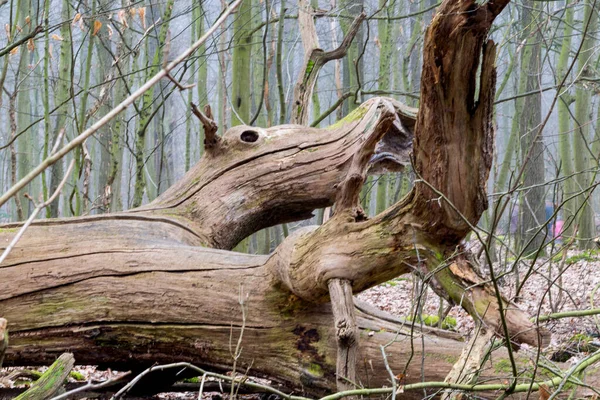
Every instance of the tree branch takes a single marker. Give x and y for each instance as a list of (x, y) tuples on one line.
[(314, 59), (118, 109)]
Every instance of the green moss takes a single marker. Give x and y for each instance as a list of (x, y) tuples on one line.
[(9, 230), (588, 255), (78, 376), (315, 370), (355, 115), (503, 366), (35, 375), (309, 67), (193, 379), (433, 320), (449, 323), (439, 257), (451, 359), (444, 357), (581, 338), (581, 343)]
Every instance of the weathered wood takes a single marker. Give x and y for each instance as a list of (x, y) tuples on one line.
[(468, 367), (342, 306), (51, 381), (187, 309), (3, 339), (136, 288)]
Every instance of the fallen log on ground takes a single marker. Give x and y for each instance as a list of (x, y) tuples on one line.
[(155, 284)]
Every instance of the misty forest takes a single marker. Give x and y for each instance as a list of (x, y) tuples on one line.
[(308, 199)]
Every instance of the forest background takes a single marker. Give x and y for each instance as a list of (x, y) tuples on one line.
[(77, 59)]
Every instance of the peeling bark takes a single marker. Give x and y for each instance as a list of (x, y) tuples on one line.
[(137, 287)]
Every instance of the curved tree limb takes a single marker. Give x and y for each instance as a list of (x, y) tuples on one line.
[(314, 59)]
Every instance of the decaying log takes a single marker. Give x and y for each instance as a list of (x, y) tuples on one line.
[(153, 285), (51, 381), (467, 369)]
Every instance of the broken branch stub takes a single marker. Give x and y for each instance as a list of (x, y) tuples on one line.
[(211, 139), (342, 306)]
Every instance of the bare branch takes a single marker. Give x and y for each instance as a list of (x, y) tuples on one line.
[(211, 139), (118, 109), (314, 59), (92, 386)]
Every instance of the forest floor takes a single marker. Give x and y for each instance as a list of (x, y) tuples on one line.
[(547, 290), (559, 284)]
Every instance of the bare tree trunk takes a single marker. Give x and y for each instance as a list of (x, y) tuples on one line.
[(532, 204), (582, 139)]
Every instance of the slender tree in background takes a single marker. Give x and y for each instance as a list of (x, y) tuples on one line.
[(102, 106), (112, 190), (353, 63), (412, 52), (241, 73), (62, 96), (241, 68), (148, 110), (26, 155), (582, 143), (564, 123), (80, 197), (532, 204), (383, 84)]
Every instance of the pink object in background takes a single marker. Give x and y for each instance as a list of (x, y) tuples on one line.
[(558, 227)]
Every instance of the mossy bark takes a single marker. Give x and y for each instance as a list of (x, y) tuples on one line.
[(137, 287), (51, 381)]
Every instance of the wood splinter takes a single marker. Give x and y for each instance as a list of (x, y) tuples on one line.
[(3, 338), (342, 305), (211, 139)]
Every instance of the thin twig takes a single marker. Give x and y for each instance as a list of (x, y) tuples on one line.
[(35, 212), (91, 386), (118, 109)]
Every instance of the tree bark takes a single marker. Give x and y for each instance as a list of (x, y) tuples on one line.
[(52, 381), (154, 285)]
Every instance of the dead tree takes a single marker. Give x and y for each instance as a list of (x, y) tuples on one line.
[(156, 284)]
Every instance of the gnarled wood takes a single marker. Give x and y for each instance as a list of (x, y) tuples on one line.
[(342, 306), (136, 288)]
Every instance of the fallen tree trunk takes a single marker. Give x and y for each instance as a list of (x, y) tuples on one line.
[(188, 310), (154, 285)]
